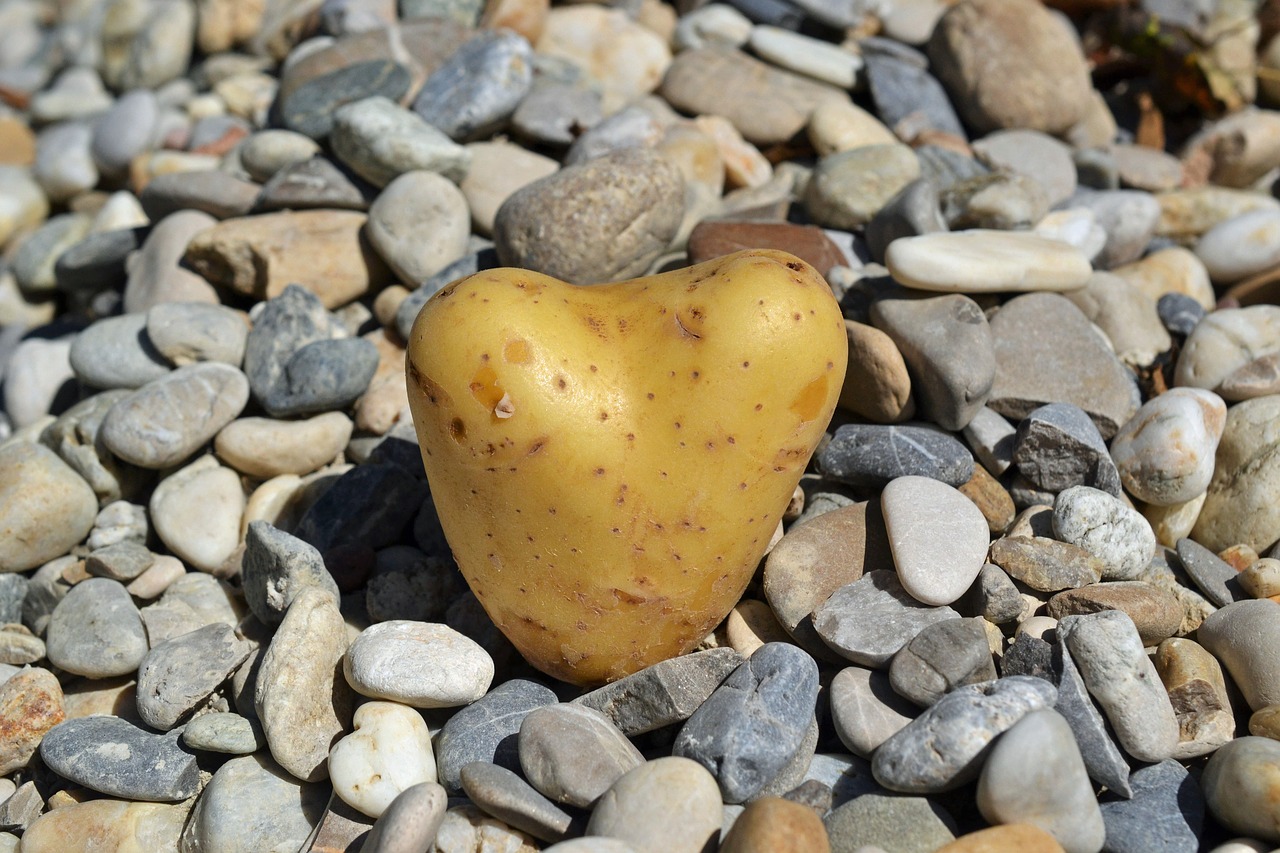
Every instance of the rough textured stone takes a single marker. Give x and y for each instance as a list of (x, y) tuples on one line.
[(275, 568), (1241, 504), (1057, 447), (486, 730), (869, 620), (940, 658), (30, 705), (1102, 525), (1046, 564), (662, 694), (118, 758), (1155, 612), (180, 673)]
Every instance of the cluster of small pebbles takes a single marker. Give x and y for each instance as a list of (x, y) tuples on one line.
[(1026, 598)]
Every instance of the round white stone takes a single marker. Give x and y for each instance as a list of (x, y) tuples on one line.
[(1241, 246), (985, 261), (421, 664), (1165, 452), (389, 751), (938, 536)]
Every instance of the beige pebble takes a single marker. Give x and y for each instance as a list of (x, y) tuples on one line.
[(1262, 578), (751, 624), (196, 512), (1198, 692), (266, 448)]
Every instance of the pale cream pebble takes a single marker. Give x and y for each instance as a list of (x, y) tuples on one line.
[(1036, 626), (1262, 579), (270, 501), (744, 165), (750, 625), (1173, 522), (156, 579)]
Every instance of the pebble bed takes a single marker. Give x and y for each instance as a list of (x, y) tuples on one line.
[(1026, 598)]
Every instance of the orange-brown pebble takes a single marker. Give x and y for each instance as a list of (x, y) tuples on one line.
[(775, 825), (990, 497), (1239, 557), (1011, 838)]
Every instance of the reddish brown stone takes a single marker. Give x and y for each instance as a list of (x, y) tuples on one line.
[(775, 825), (1155, 612), (30, 705), (990, 497), (713, 238)]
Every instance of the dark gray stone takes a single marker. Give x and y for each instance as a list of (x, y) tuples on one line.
[(942, 657), (1028, 655), (309, 108), (275, 568), (122, 561), (369, 506), (408, 584), (1214, 576), (946, 344), (943, 748), (1058, 446), (488, 730), (870, 455), (213, 191), (1103, 759), (485, 259), (755, 722), (503, 794), (869, 620), (903, 89), (773, 13), (1179, 313), (573, 753), (115, 352), (13, 591), (662, 694), (179, 674), (116, 757), (315, 183), (295, 366), (994, 596), (476, 90), (1164, 814), (910, 213), (556, 112), (97, 262)]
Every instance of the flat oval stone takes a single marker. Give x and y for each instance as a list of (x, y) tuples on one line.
[(776, 824), (870, 455), (190, 332), (940, 658), (1240, 785), (411, 822), (573, 753), (1241, 246), (865, 709), (478, 87), (1121, 678), (942, 748), (1034, 775), (380, 141), (1102, 525), (231, 734), (882, 821), (115, 757), (180, 673), (509, 798), (168, 419), (95, 631), (249, 799), (669, 803), (985, 261), (938, 537), (420, 664), (266, 447), (1225, 341), (109, 823), (1155, 612), (1165, 452), (115, 352), (276, 566), (486, 730), (869, 620), (388, 752), (754, 722), (1243, 636), (45, 506), (197, 510), (1046, 564), (309, 108)]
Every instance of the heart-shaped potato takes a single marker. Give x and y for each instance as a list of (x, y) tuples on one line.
[(609, 462)]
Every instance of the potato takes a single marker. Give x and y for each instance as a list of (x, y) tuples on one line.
[(608, 462)]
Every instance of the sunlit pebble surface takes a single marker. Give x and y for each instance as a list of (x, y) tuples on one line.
[(225, 590)]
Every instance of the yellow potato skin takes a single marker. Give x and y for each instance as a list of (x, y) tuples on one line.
[(609, 462)]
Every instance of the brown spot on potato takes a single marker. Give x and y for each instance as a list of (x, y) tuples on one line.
[(458, 430), (594, 369), (649, 396), (485, 388), (746, 364), (517, 352), (794, 266), (561, 383), (537, 445), (599, 472), (604, 416)]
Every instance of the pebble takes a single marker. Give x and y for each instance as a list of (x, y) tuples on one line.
[(168, 419), (664, 693), (1239, 786), (251, 798), (302, 705), (869, 620), (381, 141), (35, 261), (36, 375), (486, 729), (1225, 341), (226, 733), (1261, 579), (1014, 150), (115, 757), (419, 664), (45, 506), (312, 108), (1165, 453), (1126, 315), (82, 825), (116, 353), (1239, 635), (95, 630), (880, 822), (499, 169), (154, 274), (197, 513), (754, 722), (1123, 681), (1102, 525), (573, 753), (1034, 775), (1213, 576), (1258, 378), (31, 703), (940, 658), (636, 202), (509, 798), (1130, 218), (942, 748), (1241, 246), (1174, 270), (411, 822), (1155, 612), (848, 188), (986, 261), (179, 674), (1058, 446), (946, 343), (669, 803), (937, 535), (266, 448), (877, 386), (64, 164), (1103, 760), (478, 87), (1240, 505), (315, 183), (1046, 564), (776, 824), (23, 203), (419, 224), (1047, 352), (871, 455), (904, 92), (1165, 813), (388, 752)]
